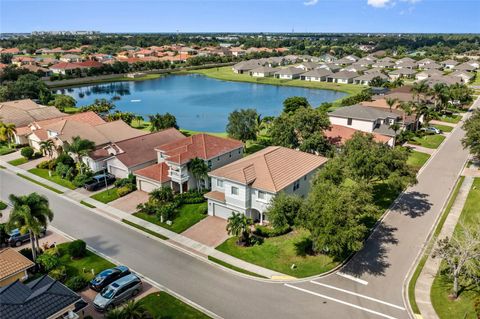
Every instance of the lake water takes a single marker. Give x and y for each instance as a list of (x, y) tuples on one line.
[(199, 103)]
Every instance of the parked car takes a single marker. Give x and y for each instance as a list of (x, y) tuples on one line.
[(108, 276), (431, 130), (99, 181), (16, 238), (117, 292)]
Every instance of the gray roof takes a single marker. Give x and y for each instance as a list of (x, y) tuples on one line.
[(405, 60), (402, 72), (406, 64), (310, 65), (445, 79), (246, 65), (40, 299), (384, 64), (264, 69), (319, 73), (432, 72), (371, 76), (384, 129), (290, 71), (343, 75), (344, 61), (432, 65), (465, 67), (356, 66), (332, 67), (449, 62), (361, 112)]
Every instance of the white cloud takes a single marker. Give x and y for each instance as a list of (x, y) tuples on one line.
[(378, 3), (310, 2)]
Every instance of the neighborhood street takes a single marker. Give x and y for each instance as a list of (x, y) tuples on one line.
[(369, 286)]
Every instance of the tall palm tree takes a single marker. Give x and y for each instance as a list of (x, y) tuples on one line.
[(30, 213), (134, 310), (199, 170), (79, 148), (420, 89), (391, 102), (7, 132), (47, 147), (239, 226), (436, 92), (162, 195)]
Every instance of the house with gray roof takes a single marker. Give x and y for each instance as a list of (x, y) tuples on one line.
[(464, 75), (245, 66), (367, 78), (444, 79), (449, 64), (289, 73), (383, 64), (469, 67), (405, 60), (263, 71), (307, 66), (365, 62), (330, 66), (355, 68), (40, 299), (406, 65), (342, 77), (317, 75), (365, 119), (432, 66), (423, 75), (344, 61), (401, 73)]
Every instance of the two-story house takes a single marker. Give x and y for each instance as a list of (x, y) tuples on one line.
[(249, 184), (172, 167)]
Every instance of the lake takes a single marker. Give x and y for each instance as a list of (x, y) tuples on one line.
[(198, 102)]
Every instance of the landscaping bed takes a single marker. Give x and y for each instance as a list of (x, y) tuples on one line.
[(279, 253), (450, 118), (163, 305)]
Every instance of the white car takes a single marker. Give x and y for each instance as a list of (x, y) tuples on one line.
[(431, 129)]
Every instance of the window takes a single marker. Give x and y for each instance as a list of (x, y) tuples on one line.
[(239, 151), (296, 185), (305, 177), (219, 183), (349, 121), (209, 164), (234, 190), (261, 195), (230, 154), (218, 158)]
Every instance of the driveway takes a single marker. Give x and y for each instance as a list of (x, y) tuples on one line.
[(129, 202), (210, 231)]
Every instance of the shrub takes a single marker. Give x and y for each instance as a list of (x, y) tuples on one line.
[(166, 211), (37, 155), (130, 180), (48, 261), (58, 273), (267, 231), (81, 179), (65, 159), (476, 306), (65, 171), (190, 197), (50, 164), (76, 283), (27, 152), (77, 248), (124, 190)]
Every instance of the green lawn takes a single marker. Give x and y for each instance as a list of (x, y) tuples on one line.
[(428, 141), (71, 110), (190, 132), (18, 161), (450, 119), (43, 173), (417, 159), (279, 253), (39, 183), (477, 79), (463, 307), (163, 305), (443, 128), (226, 73), (75, 267), (4, 149), (106, 196), (227, 265), (187, 216)]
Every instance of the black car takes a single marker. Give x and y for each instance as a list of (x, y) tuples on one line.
[(16, 238), (108, 276), (99, 181)]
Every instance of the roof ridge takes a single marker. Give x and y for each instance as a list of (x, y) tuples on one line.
[(268, 167)]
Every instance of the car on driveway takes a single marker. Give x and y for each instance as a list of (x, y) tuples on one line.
[(16, 238), (117, 292), (108, 276), (99, 181), (431, 130)]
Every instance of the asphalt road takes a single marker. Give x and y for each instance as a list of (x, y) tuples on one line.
[(381, 267)]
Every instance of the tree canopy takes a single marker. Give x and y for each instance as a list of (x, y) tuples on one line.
[(472, 133), (293, 103), (243, 124)]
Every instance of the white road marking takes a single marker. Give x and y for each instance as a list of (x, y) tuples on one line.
[(361, 281), (342, 302), (358, 295)]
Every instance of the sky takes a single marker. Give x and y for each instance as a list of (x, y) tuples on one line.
[(393, 16)]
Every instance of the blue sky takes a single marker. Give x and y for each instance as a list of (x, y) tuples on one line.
[(447, 16)]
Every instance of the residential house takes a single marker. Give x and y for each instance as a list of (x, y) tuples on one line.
[(42, 298), (263, 71), (365, 62), (13, 266), (405, 60), (249, 184), (330, 66), (328, 58), (365, 79), (173, 158), (307, 66), (467, 67), (405, 65), (289, 73), (344, 61), (449, 64), (432, 66), (465, 76), (237, 51), (444, 79), (355, 68), (383, 64), (402, 73), (245, 66), (342, 77), (316, 75), (423, 75), (71, 58)]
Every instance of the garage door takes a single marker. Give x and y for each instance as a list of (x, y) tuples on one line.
[(147, 186), (118, 172), (221, 211)]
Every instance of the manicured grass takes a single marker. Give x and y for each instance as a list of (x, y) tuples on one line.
[(226, 73), (279, 253), (443, 128), (450, 119), (477, 79), (145, 229), (75, 267), (71, 110), (190, 132), (87, 204), (428, 141), (43, 173), (4, 150), (463, 307), (141, 125), (106, 196), (417, 159), (2, 205), (227, 265), (18, 161), (41, 184), (423, 260), (163, 305), (187, 216)]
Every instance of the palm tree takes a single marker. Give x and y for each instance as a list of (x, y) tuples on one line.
[(116, 313), (437, 92), (7, 132), (239, 226), (199, 170), (47, 147), (134, 310), (30, 213), (155, 122), (391, 102), (162, 195), (79, 148), (420, 89)]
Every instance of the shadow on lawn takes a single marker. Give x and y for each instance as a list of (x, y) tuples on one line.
[(372, 259)]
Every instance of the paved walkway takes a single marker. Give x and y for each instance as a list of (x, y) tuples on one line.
[(419, 148), (429, 271)]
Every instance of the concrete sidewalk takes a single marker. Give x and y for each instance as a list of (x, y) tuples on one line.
[(431, 267)]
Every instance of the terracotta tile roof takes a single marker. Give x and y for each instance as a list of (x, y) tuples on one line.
[(271, 169), (216, 195), (12, 262), (157, 172), (139, 150), (90, 64), (338, 135), (203, 146), (66, 66)]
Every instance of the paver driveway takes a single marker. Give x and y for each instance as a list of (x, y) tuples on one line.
[(210, 231)]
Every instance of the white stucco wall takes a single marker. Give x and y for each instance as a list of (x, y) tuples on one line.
[(361, 125)]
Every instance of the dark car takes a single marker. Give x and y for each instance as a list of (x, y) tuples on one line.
[(99, 181), (16, 238), (108, 276)]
